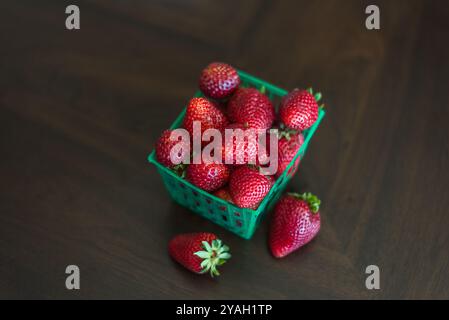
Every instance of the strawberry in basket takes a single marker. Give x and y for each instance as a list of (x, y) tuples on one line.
[(207, 113), (299, 109), (164, 147), (208, 176), (219, 80), (290, 142), (251, 108), (248, 187)]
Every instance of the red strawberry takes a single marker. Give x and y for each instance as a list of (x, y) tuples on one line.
[(299, 109), (208, 176), (199, 252), (206, 112), (218, 80), (288, 146), (248, 187), (224, 194), (244, 149), (251, 108), (296, 221), (164, 146)]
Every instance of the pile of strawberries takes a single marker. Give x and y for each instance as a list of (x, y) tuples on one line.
[(228, 105)]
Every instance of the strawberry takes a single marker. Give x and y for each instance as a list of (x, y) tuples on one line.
[(244, 150), (163, 148), (248, 187), (224, 194), (199, 252), (206, 112), (251, 108), (288, 146), (296, 222), (218, 80), (299, 109), (208, 176)]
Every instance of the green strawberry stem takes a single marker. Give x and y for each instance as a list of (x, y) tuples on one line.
[(312, 200), (317, 95), (286, 133), (180, 170), (253, 166), (214, 255), (263, 90)]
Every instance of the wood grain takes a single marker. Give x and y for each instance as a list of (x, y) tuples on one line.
[(80, 110)]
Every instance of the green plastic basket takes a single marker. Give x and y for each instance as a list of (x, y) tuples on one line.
[(242, 222)]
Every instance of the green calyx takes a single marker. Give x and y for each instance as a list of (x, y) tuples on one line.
[(180, 170), (312, 200), (253, 166), (214, 255), (316, 95), (263, 90), (286, 133)]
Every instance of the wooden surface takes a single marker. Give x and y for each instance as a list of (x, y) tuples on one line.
[(80, 110)]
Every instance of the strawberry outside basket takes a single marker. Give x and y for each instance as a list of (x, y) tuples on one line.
[(242, 222)]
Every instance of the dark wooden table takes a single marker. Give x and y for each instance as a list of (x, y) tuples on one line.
[(80, 110)]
